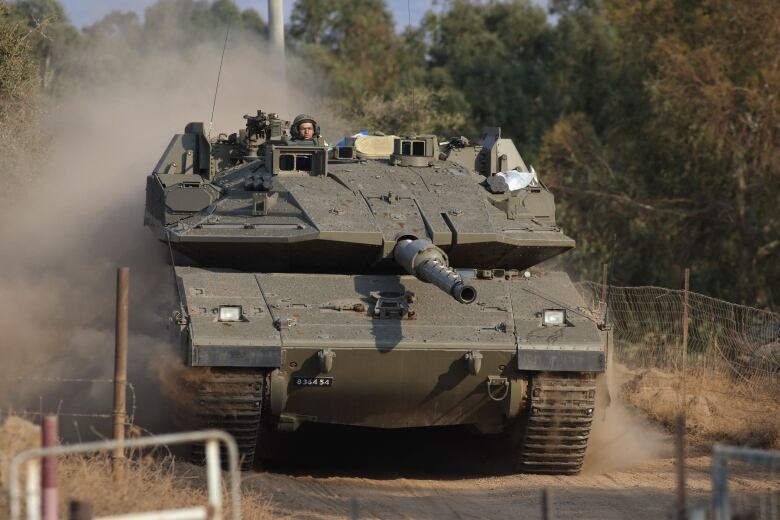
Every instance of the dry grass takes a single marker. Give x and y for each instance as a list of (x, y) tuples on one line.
[(20, 100), (146, 484), (716, 411), (15, 435)]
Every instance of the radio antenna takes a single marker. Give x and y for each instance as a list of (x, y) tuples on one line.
[(219, 74), (409, 28)]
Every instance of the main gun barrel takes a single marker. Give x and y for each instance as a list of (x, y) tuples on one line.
[(429, 263)]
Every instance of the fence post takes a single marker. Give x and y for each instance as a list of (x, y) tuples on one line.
[(680, 449), (547, 504), (49, 438), (32, 492), (79, 510), (120, 361), (214, 474), (720, 485), (684, 374)]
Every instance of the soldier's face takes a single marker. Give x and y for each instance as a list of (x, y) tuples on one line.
[(306, 130)]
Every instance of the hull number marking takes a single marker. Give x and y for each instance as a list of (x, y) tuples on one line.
[(313, 381)]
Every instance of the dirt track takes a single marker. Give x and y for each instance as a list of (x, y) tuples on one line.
[(645, 491), (458, 475)]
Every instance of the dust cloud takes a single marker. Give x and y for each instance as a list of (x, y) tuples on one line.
[(620, 436), (80, 216)]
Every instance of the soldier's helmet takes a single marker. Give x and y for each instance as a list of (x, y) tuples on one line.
[(303, 118)]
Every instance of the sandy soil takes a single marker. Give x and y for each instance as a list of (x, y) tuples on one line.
[(629, 474), (645, 491), (330, 472)]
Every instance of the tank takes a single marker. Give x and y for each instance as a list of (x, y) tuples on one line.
[(386, 282)]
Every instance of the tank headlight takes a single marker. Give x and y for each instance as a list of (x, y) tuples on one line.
[(554, 317), (229, 313)]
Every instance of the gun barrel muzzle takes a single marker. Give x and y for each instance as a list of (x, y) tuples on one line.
[(429, 263)]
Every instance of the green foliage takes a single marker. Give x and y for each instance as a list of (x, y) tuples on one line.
[(716, 86), (497, 54), (18, 70), (19, 90), (689, 126), (178, 23), (409, 111), (354, 42), (655, 123), (376, 75)]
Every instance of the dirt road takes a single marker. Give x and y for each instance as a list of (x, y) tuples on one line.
[(645, 491), (424, 475)]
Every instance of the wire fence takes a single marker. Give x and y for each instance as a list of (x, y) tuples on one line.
[(727, 377), (62, 408)]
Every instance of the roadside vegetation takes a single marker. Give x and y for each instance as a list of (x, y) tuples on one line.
[(20, 100), (144, 484)]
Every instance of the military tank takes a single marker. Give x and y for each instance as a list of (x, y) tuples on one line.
[(387, 282)]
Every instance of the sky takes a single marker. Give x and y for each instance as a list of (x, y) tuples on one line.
[(86, 12)]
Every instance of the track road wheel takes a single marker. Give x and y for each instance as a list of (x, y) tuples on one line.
[(552, 435), (231, 400)]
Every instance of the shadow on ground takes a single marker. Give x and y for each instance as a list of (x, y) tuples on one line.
[(444, 452)]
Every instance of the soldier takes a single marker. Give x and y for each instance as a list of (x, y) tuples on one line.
[(304, 128)]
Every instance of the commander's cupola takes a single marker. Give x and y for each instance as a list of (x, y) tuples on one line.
[(416, 150)]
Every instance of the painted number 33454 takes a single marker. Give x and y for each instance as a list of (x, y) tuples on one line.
[(313, 381)]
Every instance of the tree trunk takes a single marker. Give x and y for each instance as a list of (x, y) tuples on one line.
[(751, 282)]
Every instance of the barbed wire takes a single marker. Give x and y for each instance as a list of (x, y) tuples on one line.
[(57, 379), (130, 415)]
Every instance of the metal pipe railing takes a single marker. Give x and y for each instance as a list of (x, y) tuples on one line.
[(212, 438), (721, 455)]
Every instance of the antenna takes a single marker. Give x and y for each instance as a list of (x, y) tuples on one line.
[(409, 28), (219, 74)]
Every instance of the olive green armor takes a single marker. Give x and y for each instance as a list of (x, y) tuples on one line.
[(387, 281)]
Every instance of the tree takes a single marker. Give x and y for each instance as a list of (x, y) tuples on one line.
[(354, 42), (376, 76), (174, 24), (498, 56), (52, 36), (679, 160), (20, 104)]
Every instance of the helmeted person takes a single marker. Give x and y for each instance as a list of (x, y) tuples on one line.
[(304, 128)]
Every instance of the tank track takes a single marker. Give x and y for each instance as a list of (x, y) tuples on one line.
[(554, 431), (231, 400)]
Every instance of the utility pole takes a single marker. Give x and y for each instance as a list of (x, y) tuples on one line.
[(276, 42), (276, 26)]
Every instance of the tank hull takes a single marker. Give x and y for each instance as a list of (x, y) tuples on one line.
[(395, 388), (299, 309), (330, 356)]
